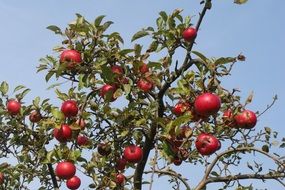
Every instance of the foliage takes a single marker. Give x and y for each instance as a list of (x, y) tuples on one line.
[(130, 115)]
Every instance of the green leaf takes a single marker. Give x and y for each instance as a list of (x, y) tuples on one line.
[(265, 148), (267, 130), (200, 55), (163, 15), (240, 1), (139, 34), (55, 85), (49, 75), (98, 20), (57, 114), (224, 60), (18, 88), (55, 29), (4, 87), (214, 174), (106, 25), (125, 51), (36, 101)]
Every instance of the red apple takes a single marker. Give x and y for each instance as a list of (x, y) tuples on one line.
[(2, 178), (144, 85), (63, 134), (35, 116), (13, 107), (69, 108), (81, 123), (73, 183), (144, 68), (180, 108), (246, 119), (65, 170), (120, 179), (104, 149), (121, 164), (107, 92), (82, 140), (207, 144), (117, 70), (71, 58), (189, 34), (133, 153), (207, 104), (228, 118)]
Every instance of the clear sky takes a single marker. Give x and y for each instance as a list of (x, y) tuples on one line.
[(257, 29)]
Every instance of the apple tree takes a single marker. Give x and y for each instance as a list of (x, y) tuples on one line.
[(129, 114)]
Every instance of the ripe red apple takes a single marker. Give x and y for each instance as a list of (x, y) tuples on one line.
[(121, 164), (13, 107), (207, 104), (207, 144), (189, 34), (107, 92), (2, 178), (144, 68), (35, 116), (246, 119), (71, 58), (117, 70), (69, 108), (180, 108), (65, 170), (81, 123), (82, 140), (104, 149), (120, 179), (63, 134), (228, 118), (73, 183), (144, 85), (133, 153)]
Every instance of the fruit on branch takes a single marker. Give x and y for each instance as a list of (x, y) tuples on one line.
[(81, 123), (246, 119), (73, 183), (120, 179), (133, 153), (35, 116), (207, 104), (2, 178), (207, 144), (116, 69), (228, 118), (13, 107), (121, 164), (82, 140), (107, 92), (71, 58), (65, 170), (144, 68), (63, 134), (145, 85), (189, 34), (180, 108), (69, 108), (104, 149)]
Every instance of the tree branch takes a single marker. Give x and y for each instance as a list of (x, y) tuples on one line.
[(173, 174), (209, 169), (149, 142), (53, 178), (246, 176)]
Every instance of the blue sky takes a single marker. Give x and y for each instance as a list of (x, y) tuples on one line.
[(256, 29)]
